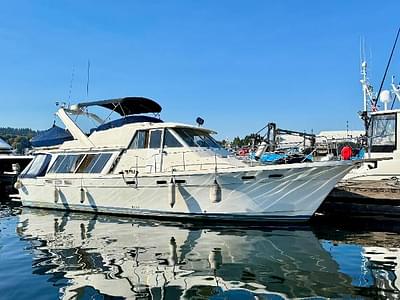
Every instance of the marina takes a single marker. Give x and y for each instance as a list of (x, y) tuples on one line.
[(199, 150)]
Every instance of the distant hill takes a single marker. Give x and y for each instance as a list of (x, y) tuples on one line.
[(18, 138)]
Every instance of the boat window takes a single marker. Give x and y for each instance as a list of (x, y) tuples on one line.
[(197, 138), (66, 163), (94, 163), (383, 133), (140, 140), (101, 161), (155, 138), (87, 163), (170, 141), (37, 167)]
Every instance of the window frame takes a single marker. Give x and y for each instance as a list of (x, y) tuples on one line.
[(379, 148), (174, 135), (161, 144), (97, 155)]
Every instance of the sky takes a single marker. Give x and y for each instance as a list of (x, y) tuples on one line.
[(237, 64)]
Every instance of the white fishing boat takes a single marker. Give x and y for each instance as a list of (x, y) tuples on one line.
[(140, 165), (382, 133), (378, 179)]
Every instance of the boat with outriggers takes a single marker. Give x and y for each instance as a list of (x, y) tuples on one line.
[(140, 165)]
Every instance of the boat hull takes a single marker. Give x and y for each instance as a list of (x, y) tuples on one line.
[(272, 193)]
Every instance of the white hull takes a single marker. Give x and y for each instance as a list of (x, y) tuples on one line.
[(276, 193)]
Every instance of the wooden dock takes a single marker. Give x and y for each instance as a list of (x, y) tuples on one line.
[(364, 197)]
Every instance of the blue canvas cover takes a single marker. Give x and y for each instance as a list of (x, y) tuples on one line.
[(126, 120), (51, 137)]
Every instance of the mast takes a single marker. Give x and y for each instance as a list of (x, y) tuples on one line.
[(364, 83), (368, 97)]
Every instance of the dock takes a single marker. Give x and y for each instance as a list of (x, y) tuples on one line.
[(364, 197)]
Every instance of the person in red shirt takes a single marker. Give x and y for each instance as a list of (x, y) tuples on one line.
[(346, 152)]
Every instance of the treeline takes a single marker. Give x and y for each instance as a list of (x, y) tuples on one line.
[(18, 138), (240, 142)]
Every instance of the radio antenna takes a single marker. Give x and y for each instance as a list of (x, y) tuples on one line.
[(88, 79), (70, 84)]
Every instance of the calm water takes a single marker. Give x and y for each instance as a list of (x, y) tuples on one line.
[(50, 255)]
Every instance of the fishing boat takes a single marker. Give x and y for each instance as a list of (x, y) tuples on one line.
[(380, 179), (139, 165), (373, 187)]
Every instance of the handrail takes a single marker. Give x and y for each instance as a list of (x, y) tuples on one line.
[(150, 164)]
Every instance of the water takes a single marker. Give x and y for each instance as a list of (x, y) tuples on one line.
[(48, 255)]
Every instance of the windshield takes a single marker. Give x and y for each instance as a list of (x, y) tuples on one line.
[(383, 133), (197, 138)]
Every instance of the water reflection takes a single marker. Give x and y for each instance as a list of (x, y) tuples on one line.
[(89, 256)]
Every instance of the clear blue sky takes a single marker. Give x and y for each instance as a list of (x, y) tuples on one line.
[(238, 64)]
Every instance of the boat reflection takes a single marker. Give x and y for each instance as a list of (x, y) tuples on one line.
[(145, 259)]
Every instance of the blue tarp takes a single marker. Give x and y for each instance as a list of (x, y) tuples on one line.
[(51, 137)]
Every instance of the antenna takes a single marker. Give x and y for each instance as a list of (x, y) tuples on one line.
[(362, 51), (88, 79), (387, 67), (70, 84)]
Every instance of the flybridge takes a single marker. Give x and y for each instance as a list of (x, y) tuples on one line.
[(124, 106)]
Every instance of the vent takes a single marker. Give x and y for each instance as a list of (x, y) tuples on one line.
[(248, 177), (275, 176)]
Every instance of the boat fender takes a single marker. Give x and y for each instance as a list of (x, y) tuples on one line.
[(82, 190), (215, 259), (173, 254), (18, 185), (56, 195), (215, 192), (172, 192)]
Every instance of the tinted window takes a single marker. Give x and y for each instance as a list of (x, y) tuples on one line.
[(155, 139), (94, 163), (383, 137), (197, 138), (140, 140), (66, 163), (170, 140), (56, 163), (37, 166), (87, 163), (101, 161)]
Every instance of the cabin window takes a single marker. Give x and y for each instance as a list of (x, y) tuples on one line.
[(94, 163), (66, 163), (140, 140), (37, 167), (383, 133), (87, 163), (101, 161), (170, 141), (197, 138), (155, 139)]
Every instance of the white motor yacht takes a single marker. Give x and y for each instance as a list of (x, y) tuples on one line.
[(140, 165)]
